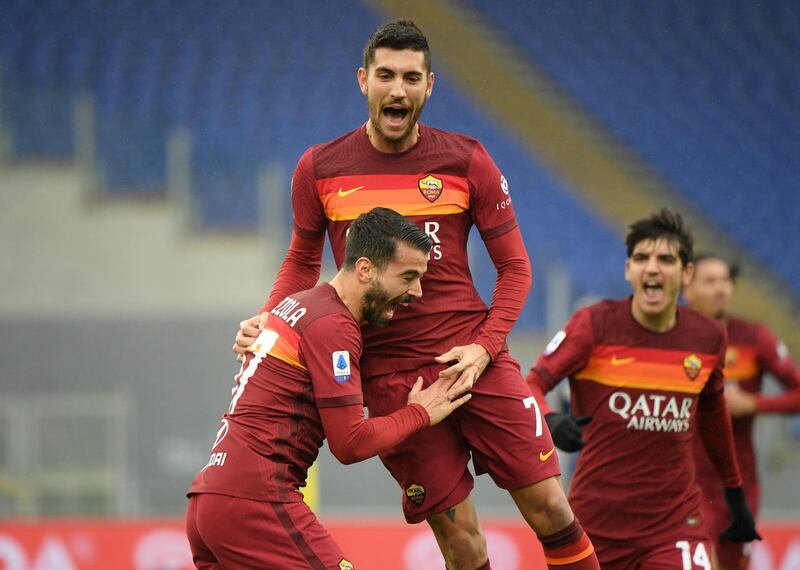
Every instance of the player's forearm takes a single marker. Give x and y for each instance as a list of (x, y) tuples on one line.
[(299, 271), (716, 431), (786, 403), (351, 438), (514, 279)]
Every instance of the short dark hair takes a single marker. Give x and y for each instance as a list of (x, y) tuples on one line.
[(662, 224), (734, 268), (397, 34), (375, 234)]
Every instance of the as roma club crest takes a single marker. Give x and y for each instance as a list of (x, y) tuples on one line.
[(415, 493), (692, 365), (430, 187)]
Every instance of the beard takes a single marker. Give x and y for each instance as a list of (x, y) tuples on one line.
[(414, 113), (376, 304)]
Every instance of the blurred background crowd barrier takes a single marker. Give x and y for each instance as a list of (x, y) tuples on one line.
[(146, 150)]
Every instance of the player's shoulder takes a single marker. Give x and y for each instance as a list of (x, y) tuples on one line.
[(745, 328), (332, 150), (319, 305), (701, 326), (608, 309), (457, 143)]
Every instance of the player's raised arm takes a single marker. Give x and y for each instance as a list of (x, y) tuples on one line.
[(301, 268)]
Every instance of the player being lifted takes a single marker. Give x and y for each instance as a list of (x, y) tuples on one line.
[(648, 373), (301, 384), (445, 183), (752, 351)]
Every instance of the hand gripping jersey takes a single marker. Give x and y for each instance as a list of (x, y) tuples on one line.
[(752, 351), (634, 478), (305, 363), (446, 183)]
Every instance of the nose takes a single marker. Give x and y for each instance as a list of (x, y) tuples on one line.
[(416, 289), (397, 89), (652, 265)]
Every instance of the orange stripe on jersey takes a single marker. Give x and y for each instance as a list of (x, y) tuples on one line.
[(424, 194), (648, 369), (287, 345), (741, 363)]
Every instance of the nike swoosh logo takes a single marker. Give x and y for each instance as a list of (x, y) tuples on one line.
[(546, 456), (620, 361), (343, 193)]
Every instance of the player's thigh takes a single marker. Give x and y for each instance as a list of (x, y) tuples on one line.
[(431, 466), (680, 554), (246, 534), (505, 429)]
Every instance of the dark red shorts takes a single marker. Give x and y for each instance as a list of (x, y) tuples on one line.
[(232, 533), (501, 428)]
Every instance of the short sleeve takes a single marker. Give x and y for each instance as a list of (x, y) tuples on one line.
[(331, 349), (309, 216), (490, 197)]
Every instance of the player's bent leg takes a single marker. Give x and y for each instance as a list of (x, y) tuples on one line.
[(460, 537), (546, 510)]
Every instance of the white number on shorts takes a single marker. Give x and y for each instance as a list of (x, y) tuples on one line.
[(530, 402), (700, 557), (262, 345)]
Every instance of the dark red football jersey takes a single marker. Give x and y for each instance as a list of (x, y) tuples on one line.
[(446, 183), (306, 358), (634, 477), (752, 351)]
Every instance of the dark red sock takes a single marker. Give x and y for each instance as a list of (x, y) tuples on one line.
[(569, 549)]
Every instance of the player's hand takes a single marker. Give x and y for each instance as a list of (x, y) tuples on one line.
[(435, 400), (247, 335), (743, 527), (470, 362), (567, 430), (740, 403)]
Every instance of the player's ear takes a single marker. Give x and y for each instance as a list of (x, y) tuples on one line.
[(431, 79), (365, 270), (628, 269), (361, 75), (688, 273)]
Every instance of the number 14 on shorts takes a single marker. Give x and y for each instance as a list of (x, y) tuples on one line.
[(698, 559)]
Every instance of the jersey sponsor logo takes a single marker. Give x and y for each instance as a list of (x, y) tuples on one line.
[(692, 366), (616, 361), (221, 433), (289, 310), (342, 193), (554, 343), (415, 493), (653, 412), (505, 202), (216, 460), (432, 231), (431, 187), (345, 564), (341, 365), (545, 456)]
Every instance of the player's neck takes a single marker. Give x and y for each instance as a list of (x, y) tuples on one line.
[(349, 292), (382, 144), (659, 323)]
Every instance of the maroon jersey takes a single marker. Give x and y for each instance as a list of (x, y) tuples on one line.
[(634, 477), (306, 358), (752, 351), (445, 183)]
